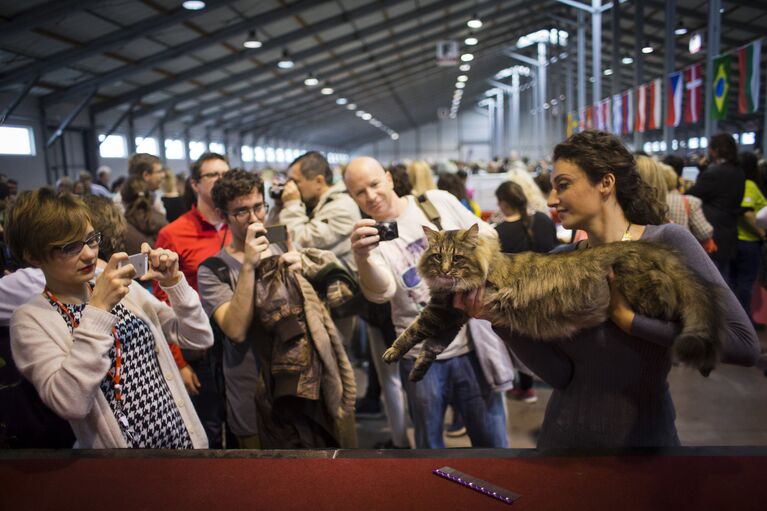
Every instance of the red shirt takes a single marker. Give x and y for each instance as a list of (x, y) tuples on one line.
[(194, 239)]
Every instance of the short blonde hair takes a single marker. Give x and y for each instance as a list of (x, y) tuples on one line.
[(39, 221), (653, 175), (420, 176)]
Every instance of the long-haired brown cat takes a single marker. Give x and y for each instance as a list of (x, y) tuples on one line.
[(552, 296)]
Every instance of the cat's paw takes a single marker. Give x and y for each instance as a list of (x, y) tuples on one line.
[(391, 355)]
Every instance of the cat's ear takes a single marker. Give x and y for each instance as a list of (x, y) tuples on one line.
[(472, 233), (431, 234)]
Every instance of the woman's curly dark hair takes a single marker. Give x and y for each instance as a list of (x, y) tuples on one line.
[(598, 153), (233, 184)]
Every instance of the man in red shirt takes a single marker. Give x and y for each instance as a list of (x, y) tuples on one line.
[(194, 236)]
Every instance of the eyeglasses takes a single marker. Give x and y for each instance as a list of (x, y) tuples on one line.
[(74, 248), (214, 175), (244, 213)]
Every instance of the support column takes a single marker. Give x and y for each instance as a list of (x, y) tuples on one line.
[(500, 135), (161, 144), (186, 147), (132, 135), (596, 49), (638, 75), (581, 63), (712, 51), (668, 68), (615, 83), (542, 97), (515, 125)]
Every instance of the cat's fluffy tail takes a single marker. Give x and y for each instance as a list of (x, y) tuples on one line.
[(700, 341)]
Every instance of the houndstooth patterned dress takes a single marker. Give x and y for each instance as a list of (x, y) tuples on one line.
[(148, 416)]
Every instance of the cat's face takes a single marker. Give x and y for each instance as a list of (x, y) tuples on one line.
[(451, 263)]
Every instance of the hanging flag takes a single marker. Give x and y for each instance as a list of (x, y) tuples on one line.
[(674, 99), (628, 112), (720, 87), (748, 69), (641, 108), (693, 102), (589, 118), (582, 119), (606, 115), (617, 114), (653, 103), (571, 124)]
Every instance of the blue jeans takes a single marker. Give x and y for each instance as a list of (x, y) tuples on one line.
[(744, 270), (459, 382)]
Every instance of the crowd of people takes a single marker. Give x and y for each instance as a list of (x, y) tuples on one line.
[(228, 309)]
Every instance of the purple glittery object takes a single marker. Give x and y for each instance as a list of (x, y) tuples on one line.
[(475, 484)]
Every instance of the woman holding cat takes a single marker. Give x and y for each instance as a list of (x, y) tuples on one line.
[(610, 381)]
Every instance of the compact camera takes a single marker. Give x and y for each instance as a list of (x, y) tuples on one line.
[(387, 231), (275, 192)]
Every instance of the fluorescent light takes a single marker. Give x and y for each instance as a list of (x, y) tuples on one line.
[(470, 41), (647, 49), (252, 41), (341, 101), (464, 68), (467, 57), (460, 85), (285, 62), (193, 5), (311, 81), (463, 78), (351, 106), (474, 22), (627, 60), (326, 90)]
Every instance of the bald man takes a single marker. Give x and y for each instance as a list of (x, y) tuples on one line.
[(387, 271)]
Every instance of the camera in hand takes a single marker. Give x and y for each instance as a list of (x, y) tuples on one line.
[(387, 231), (275, 192)]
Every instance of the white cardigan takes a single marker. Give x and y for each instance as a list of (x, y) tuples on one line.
[(67, 369)]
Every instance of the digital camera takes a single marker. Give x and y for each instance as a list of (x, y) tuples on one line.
[(387, 231)]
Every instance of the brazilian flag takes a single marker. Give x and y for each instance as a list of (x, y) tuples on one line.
[(720, 91)]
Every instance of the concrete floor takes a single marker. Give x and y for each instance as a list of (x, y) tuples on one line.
[(728, 408)]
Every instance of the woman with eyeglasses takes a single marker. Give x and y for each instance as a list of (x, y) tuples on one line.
[(97, 353)]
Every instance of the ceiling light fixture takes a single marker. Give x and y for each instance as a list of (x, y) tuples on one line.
[(463, 78), (193, 5), (647, 49), (680, 29), (360, 113), (327, 90), (285, 62), (311, 80), (460, 85), (467, 57), (474, 22), (341, 101), (351, 106), (394, 136), (252, 41), (464, 68), (627, 60), (366, 116), (608, 72), (470, 41)]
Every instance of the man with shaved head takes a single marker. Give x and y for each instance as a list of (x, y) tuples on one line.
[(387, 272)]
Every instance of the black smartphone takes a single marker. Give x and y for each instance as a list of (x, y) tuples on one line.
[(277, 233)]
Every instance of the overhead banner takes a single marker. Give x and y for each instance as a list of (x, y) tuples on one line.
[(748, 70), (617, 113), (720, 87), (674, 99), (693, 102)]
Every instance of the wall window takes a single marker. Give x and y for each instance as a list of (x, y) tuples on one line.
[(280, 155), (174, 149), (18, 140), (270, 154), (247, 153), (147, 145), (113, 146), (259, 154), (196, 148), (217, 147)]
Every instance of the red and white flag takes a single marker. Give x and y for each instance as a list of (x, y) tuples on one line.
[(582, 119), (749, 58), (598, 116), (617, 113), (641, 109), (693, 101), (654, 101), (606, 114), (674, 99), (628, 112)]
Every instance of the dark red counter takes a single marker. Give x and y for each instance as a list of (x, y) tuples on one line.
[(682, 479)]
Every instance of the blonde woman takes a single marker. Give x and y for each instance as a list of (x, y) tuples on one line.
[(97, 353), (420, 176)]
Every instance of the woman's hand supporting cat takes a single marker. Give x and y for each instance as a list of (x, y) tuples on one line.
[(620, 310), (472, 303)]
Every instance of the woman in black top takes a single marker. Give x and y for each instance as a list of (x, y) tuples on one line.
[(520, 232)]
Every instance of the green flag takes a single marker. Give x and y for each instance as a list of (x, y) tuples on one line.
[(720, 91)]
